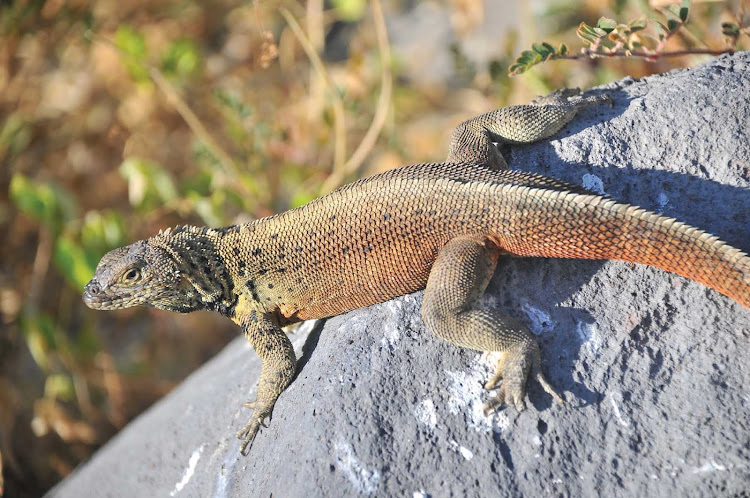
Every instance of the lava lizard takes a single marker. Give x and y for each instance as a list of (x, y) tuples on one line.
[(438, 226)]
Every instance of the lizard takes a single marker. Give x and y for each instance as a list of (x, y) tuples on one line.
[(436, 226)]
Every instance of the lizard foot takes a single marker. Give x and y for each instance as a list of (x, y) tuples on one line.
[(572, 97), (558, 97), (261, 412), (591, 100), (513, 370)]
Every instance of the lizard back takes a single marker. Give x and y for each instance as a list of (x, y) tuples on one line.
[(391, 226)]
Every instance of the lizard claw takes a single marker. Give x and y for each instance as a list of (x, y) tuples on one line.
[(247, 434)]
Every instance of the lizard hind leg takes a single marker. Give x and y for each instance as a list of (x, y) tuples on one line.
[(458, 278), (472, 140)]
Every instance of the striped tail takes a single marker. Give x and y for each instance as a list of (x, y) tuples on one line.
[(568, 225)]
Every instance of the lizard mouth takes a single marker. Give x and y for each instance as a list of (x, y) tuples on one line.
[(99, 299)]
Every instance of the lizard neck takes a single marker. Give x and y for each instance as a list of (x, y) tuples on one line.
[(206, 281)]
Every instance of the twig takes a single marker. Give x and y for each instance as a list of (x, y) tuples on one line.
[(649, 56), (339, 151), (195, 124), (39, 269), (316, 35), (381, 109)]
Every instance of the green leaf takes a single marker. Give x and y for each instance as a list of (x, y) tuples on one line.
[(232, 102), (350, 10), (102, 231), (606, 24), (590, 34), (730, 29), (684, 9), (38, 329), (130, 41), (526, 60), (59, 386), (47, 203), (133, 48), (637, 25), (29, 199), (181, 59), (148, 183), (71, 260), (540, 52), (543, 49), (15, 135)]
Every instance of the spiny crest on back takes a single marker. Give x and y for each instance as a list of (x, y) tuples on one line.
[(184, 229)]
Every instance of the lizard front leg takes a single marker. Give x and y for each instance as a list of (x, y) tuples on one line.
[(458, 278), (472, 140), (277, 371)]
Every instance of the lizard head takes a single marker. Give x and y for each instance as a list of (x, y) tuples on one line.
[(141, 274)]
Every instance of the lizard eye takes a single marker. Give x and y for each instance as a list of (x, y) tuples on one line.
[(131, 275)]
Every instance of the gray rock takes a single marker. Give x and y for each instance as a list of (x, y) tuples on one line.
[(654, 366)]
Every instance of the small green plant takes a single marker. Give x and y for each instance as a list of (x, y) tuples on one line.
[(642, 38)]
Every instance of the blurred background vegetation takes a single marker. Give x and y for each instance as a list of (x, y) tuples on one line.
[(120, 118)]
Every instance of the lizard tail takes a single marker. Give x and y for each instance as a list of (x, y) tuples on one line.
[(569, 225)]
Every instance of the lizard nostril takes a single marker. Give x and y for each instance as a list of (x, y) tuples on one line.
[(93, 288)]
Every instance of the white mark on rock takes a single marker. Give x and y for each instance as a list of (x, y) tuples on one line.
[(593, 183), (390, 338), (539, 321), (229, 460), (465, 452), (589, 335), (363, 480), (189, 471), (662, 200), (708, 467), (421, 494), (616, 409), (391, 335), (426, 415), (465, 391)]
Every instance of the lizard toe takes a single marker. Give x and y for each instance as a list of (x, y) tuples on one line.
[(247, 435), (539, 376), (261, 412), (494, 403), (494, 381)]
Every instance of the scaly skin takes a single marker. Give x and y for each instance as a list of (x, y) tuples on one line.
[(440, 226)]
